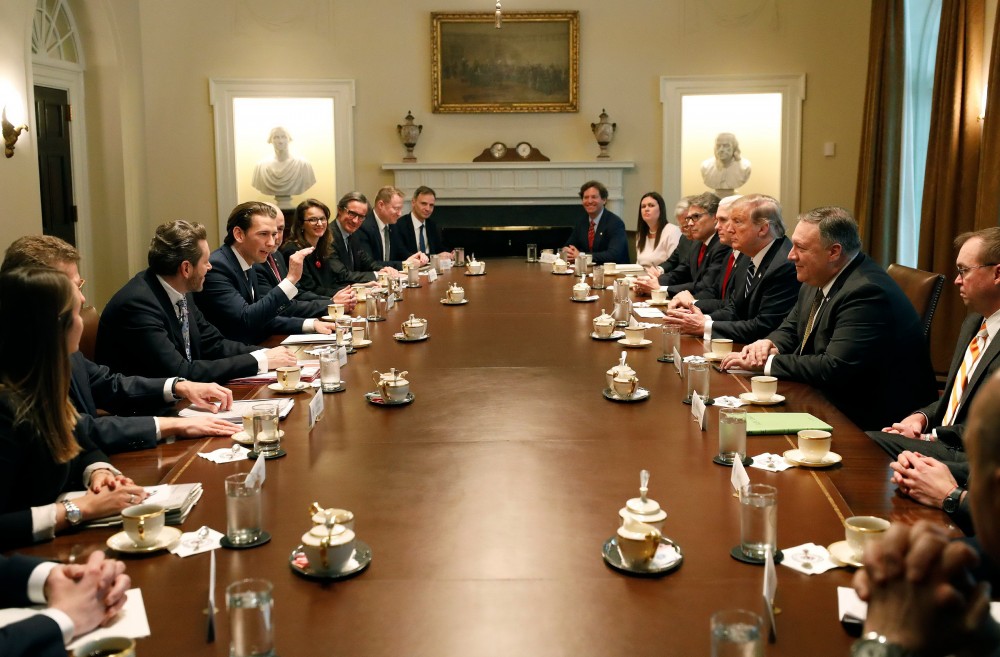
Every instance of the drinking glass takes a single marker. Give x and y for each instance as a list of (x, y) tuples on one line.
[(670, 340), (697, 379), (532, 253), (329, 370), (758, 520), (737, 633), (251, 618), (243, 510), (598, 272), (266, 439), (732, 434), (459, 252)]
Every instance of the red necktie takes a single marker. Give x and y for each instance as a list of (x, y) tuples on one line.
[(729, 270), (701, 254), (590, 236), (274, 266)]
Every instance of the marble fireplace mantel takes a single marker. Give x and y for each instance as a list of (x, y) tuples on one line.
[(511, 183)]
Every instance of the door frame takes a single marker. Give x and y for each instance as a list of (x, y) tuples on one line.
[(70, 80)]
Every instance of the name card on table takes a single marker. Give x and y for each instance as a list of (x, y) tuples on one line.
[(315, 409), (431, 275), (547, 258), (770, 588), (677, 362), (258, 473), (698, 409), (739, 478), (342, 356)]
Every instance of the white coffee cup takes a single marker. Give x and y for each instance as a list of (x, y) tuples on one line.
[(860, 531), (659, 296), (721, 346), (764, 387), (357, 334), (626, 386), (335, 310), (634, 334), (814, 445), (288, 377), (143, 523), (328, 551)]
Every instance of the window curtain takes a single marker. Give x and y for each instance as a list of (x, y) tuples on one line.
[(953, 160), (877, 204), (988, 197)]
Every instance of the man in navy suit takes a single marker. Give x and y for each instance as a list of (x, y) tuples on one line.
[(376, 237), (348, 262), (852, 333), (703, 269), (417, 232), (78, 598), (763, 286), (132, 399), (232, 298), (601, 233), (306, 303)]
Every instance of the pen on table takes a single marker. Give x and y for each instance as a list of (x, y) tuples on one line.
[(211, 598)]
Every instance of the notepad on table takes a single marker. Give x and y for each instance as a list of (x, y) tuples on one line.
[(759, 424)]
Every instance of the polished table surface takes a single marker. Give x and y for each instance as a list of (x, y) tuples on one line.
[(486, 501)]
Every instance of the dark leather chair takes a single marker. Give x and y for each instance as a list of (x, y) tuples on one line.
[(88, 341), (922, 288)]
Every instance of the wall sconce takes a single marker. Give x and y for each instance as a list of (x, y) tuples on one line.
[(10, 134)]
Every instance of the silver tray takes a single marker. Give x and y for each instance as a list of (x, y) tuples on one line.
[(641, 394)]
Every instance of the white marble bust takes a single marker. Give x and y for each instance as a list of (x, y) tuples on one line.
[(282, 176), (727, 170)]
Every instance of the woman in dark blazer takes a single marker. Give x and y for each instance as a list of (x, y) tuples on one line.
[(40, 457), (311, 227)]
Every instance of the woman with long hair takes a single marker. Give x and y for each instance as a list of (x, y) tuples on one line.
[(311, 227), (656, 238), (40, 457)]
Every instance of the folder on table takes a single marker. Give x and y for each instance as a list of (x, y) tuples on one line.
[(759, 424)]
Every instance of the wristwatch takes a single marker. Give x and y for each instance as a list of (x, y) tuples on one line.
[(874, 644), (952, 502), (173, 386), (73, 513)]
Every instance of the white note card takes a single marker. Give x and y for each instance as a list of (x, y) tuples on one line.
[(342, 356), (740, 479), (315, 409), (698, 409)]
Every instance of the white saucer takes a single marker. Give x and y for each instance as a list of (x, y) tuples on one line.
[(361, 344), (454, 303), (659, 303), (713, 357), (644, 343), (277, 387), (120, 542), (794, 457), (749, 398), (330, 318), (243, 438), (842, 553)]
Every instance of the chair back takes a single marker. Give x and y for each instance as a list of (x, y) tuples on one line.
[(922, 288), (88, 341)]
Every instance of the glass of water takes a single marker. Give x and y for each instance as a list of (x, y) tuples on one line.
[(251, 618), (532, 253), (243, 510), (737, 633), (266, 439), (697, 379), (758, 521), (329, 369), (732, 434)]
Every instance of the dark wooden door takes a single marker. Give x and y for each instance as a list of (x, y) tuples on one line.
[(52, 116)]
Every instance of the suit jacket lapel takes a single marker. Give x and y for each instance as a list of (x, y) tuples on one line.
[(169, 310)]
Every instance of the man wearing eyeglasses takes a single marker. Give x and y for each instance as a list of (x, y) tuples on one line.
[(703, 269), (349, 262), (852, 333), (933, 434)]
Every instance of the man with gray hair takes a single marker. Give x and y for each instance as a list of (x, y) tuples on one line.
[(764, 288), (349, 262), (852, 333), (377, 235)]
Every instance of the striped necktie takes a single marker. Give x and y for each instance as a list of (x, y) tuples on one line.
[(751, 270), (274, 267), (185, 327), (590, 235), (972, 354), (385, 243)]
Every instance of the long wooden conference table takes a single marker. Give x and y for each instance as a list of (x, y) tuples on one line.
[(487, 500)]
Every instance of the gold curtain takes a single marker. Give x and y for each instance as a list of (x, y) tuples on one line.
[(988, 197), (953, 160), (877, 194)]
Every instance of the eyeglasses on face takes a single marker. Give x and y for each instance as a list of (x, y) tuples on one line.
[(964, 271)]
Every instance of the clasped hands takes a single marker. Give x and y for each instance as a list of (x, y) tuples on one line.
[(752, 357), (91, 594)]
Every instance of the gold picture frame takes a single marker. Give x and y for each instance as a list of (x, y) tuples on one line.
[(531, 64)]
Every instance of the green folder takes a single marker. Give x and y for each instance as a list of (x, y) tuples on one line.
[(759, 424)]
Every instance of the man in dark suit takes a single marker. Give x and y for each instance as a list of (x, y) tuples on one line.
[(349, 262), (763, 287), (132, 399), (601, 233), (931, 464), (703, 268), (417, 232), (852, 334), (77, 597), (376, 237), (232, 299), (142, 328), (713, 299), (306, 303)]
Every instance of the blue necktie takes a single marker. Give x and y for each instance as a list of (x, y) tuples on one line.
[(185, 327), (751, 270), (423, 244)]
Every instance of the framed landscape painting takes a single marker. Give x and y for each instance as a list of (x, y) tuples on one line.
[(530, 64)]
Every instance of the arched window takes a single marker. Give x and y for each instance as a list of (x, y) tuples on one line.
[(54, 34)]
